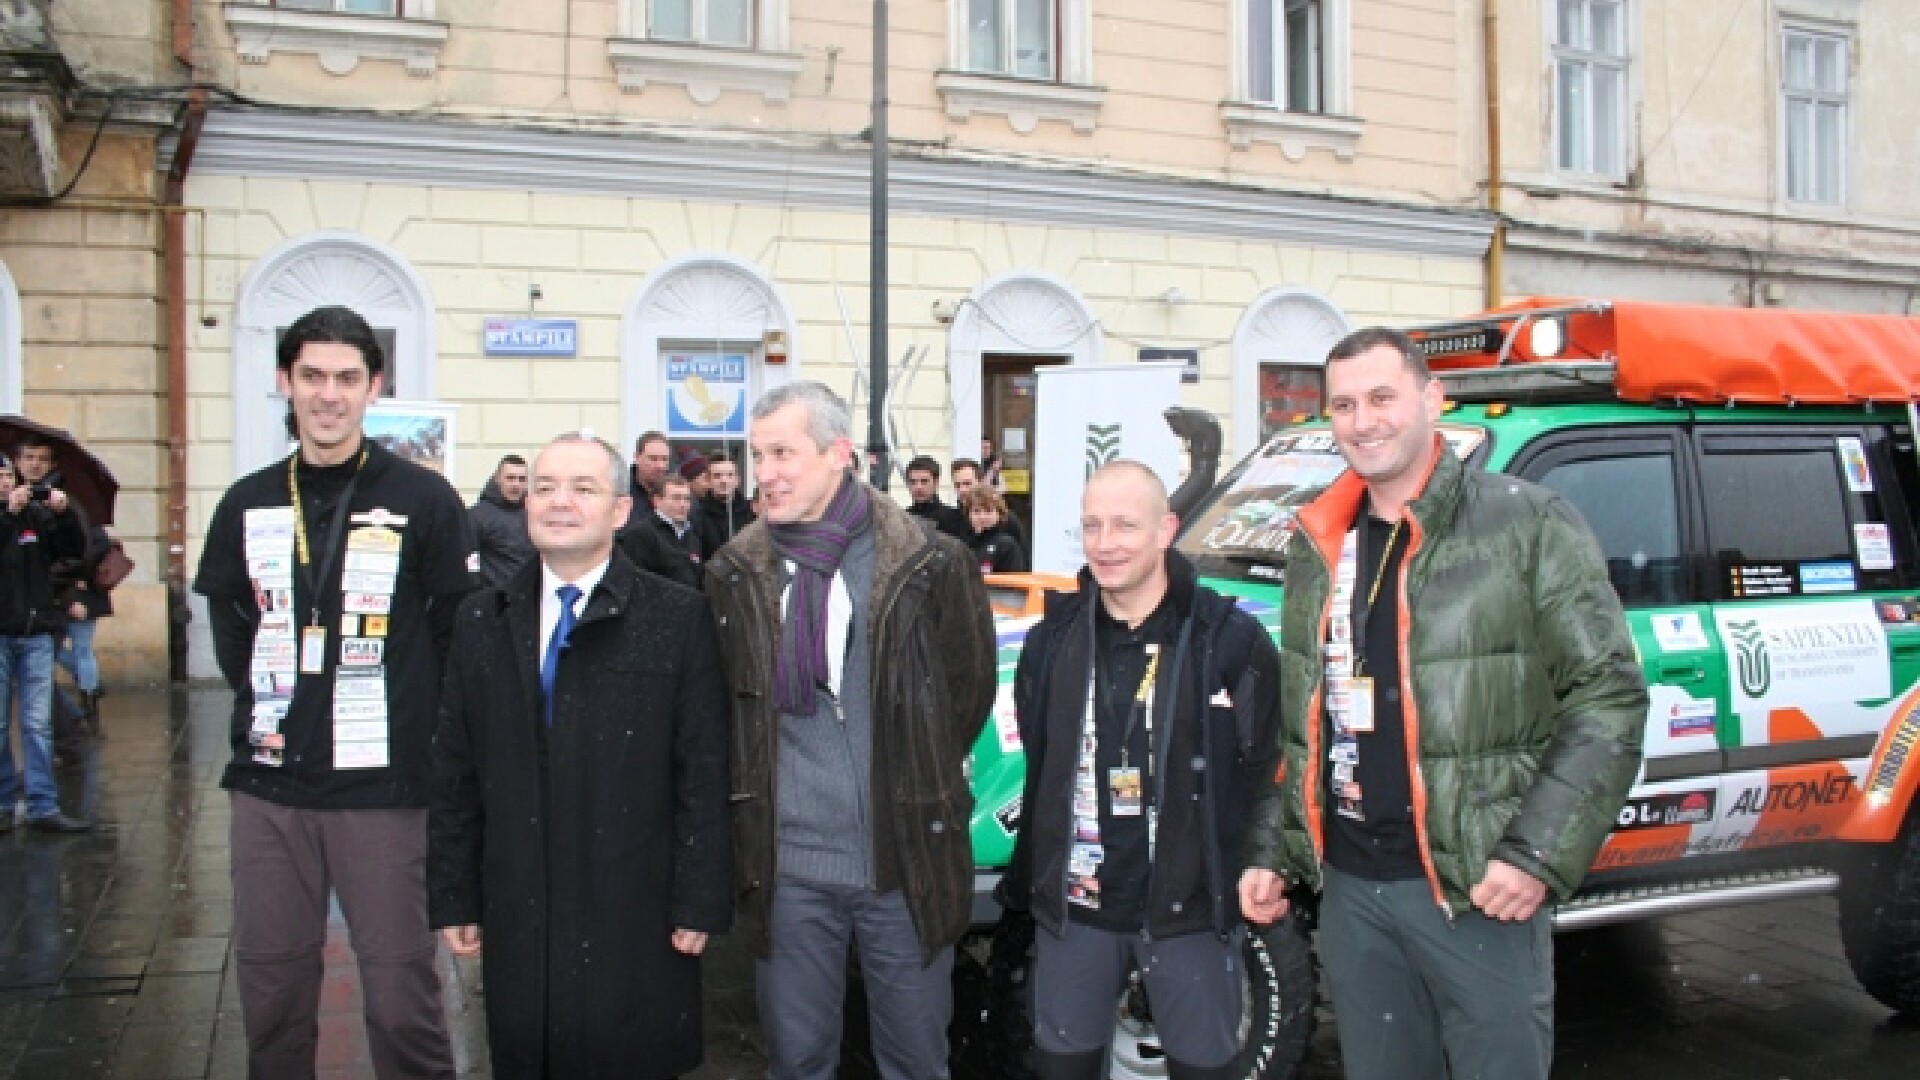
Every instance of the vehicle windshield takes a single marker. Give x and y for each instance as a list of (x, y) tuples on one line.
[(1239, 532)]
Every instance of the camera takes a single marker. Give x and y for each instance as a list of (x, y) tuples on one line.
[(41, 492)]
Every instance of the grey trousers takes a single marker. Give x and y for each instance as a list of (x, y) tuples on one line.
[(1194, 983), (285, 861), (1417, 995), (802, 985)]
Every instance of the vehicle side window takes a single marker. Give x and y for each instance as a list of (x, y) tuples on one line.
[(1793, 513), (1632, 504)]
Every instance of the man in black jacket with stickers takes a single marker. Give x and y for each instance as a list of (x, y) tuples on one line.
[(332, 579)]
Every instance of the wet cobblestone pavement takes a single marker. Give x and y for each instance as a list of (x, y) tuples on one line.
[(115, 960)]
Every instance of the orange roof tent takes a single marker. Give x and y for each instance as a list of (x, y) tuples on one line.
[(1679, 352)]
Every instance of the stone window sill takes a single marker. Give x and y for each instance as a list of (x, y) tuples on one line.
[(1024, 102), (1294, 133), (705, 71), (340, 41)]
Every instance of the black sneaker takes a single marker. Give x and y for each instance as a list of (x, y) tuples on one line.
[(57, 822)]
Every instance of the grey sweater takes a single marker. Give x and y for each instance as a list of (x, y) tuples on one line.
[(826, 760)]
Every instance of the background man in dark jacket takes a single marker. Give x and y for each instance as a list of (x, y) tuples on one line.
[(1127, 855), (578, 835), (500, 522), (673, 519), (923, 486), (859, 648), (726, 509), (1526, 711), (652, 460), (332, 580), (35, 530)]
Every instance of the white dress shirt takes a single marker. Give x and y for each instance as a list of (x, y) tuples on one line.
[(550, 583), (839, 622)]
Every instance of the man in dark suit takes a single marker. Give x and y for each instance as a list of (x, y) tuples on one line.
[(578, 819)]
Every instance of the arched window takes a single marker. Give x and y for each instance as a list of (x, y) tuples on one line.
[(304, 273), (1279, 360)]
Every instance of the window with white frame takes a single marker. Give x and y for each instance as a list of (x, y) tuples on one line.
[(1590, 64), (1014, 37), (704, 22), (340, 33), (1814, 84), (349, 7), (1286, 54)]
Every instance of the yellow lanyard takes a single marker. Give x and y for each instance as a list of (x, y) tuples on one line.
[(300, 525), (1373, 594)]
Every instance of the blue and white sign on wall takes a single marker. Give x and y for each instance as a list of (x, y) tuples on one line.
[(706, 395), (531, 337)]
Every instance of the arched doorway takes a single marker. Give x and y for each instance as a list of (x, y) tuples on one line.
[(332, 267), (704, 335), (1009, 326)]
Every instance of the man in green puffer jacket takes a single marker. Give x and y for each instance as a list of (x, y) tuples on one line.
[(1460, 714)]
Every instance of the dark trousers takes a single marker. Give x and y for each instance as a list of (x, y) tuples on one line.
[(802, 985), (1194, 981), (1417, 995), (285, 862)]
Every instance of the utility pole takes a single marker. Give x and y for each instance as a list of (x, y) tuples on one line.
[(877, 349)]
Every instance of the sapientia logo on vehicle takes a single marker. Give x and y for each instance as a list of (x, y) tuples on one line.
[(1794, 795), (1750, 657), (1673, 808)]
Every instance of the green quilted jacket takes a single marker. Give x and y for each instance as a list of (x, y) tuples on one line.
[(1519, 679)]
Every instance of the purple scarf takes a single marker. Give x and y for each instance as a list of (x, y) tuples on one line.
[(815, 548)]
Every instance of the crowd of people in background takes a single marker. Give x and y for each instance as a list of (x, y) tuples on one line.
[(684, 513)]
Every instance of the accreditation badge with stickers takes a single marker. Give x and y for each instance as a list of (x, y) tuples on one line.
[(368, 577), (273, 670)]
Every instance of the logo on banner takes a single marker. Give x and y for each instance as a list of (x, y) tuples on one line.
[(1103, 445)]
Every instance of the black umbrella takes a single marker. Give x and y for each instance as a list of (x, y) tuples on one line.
[(85, 478)]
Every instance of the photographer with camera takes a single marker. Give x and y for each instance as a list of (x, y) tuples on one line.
[(37, 527)]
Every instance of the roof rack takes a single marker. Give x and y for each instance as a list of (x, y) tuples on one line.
[(1650, 352)]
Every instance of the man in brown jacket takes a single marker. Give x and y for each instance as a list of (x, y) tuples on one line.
[(859, 648)]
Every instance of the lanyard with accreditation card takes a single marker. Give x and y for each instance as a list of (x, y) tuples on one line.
[(313, 636)]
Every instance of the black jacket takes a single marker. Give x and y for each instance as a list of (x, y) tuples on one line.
[(30, 543), (580, 848), (721, 519), (998, 552), (1216, 747), (435, 544), (945, 518), (691, 545), (646, 546), (500, 530), (933, 682)]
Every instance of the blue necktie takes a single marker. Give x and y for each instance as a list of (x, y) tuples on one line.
[(556, 645)]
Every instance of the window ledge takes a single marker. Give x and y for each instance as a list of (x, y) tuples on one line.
[(1293, 132), (705, 71), (1024, 102), (341, 41)]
